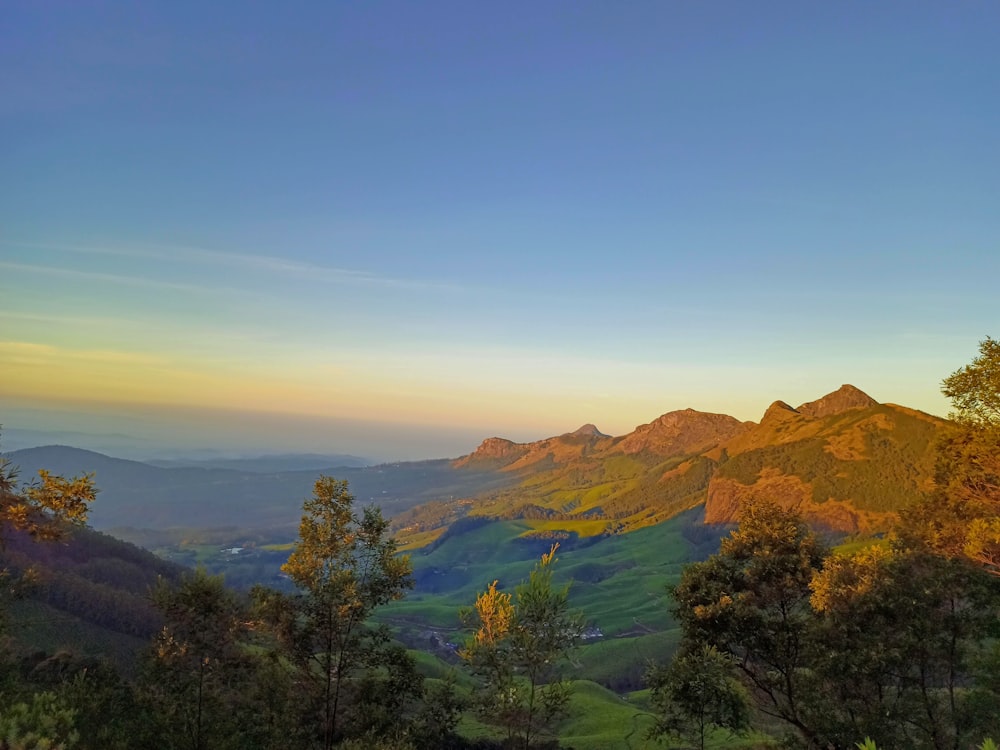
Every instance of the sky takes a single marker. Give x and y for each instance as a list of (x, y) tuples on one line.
[(393, 229)]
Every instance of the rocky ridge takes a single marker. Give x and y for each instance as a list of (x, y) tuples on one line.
[(844, 460)]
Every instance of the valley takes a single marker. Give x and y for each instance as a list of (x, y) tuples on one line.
[(627, 512), (626, 517)]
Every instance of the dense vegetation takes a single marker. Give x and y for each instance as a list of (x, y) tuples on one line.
[(894, 642), (776, 637)]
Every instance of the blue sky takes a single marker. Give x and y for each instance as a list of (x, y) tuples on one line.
[(394, 227)]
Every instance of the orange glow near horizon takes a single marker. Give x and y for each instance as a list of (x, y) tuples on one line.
[(492, 392)]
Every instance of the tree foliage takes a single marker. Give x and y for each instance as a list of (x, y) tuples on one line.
[(962, 518), (975, 389), (751, 603), (42, 722), (884, 642), (899, 635), (695, 694), (517, 648), (345, 565), (44, 507), (189, 669)]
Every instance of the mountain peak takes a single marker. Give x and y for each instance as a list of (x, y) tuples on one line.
[(778, 410), (587, 430), (494, 452), (679, 432), (843, 399)]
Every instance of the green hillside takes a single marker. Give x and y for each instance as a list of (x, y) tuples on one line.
[(854, 462), (850, 471), (618, 581), (88, 592)]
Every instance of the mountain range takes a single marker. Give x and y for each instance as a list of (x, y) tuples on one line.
[(846, 461), (629, 511)]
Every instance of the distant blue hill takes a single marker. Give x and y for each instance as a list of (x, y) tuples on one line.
[(143, 496), (268, 464)]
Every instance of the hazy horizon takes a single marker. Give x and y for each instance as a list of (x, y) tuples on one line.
[(142, 433)]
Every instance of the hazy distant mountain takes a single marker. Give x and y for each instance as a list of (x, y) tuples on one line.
[(269, 464), (112, 444), (137, 494)]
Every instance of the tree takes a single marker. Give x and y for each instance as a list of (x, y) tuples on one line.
[(43, 723), (344, 566), (962, 517), (884, 642), (107, 714), (975, 389), (695, 694), (751, 602), (516, 649), (898, 635), (195, 670), (43, 510), (44, 507)]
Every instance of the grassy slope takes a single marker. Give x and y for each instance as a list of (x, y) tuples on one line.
[(599, 719), (618, 582)]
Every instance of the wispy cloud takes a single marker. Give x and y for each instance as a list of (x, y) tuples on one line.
[(64, 320), (114, 278), (265, 263), (29, 352)]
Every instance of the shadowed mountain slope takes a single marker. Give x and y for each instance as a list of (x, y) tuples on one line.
[(88, 591)]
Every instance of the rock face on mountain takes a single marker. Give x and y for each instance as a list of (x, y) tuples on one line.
[(843, 399), (679, 433), (844, 461), (494, 451), (779, 411), (499, 454)]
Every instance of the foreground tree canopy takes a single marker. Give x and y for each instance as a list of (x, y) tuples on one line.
[(350, 676), (962, 517), (887, 642), (43, 508)]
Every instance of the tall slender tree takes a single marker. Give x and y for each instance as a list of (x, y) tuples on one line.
[(193, 671), (751, 602), (344, 565), (517, 649), (696, 694)]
